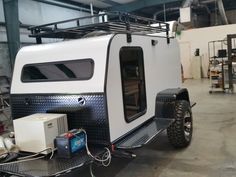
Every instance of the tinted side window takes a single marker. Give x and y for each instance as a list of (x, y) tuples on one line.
[(58, 71), (133, 83)]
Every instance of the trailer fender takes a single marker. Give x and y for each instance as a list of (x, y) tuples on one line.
[(165, 101)]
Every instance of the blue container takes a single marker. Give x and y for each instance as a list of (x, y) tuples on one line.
[(70, 143)]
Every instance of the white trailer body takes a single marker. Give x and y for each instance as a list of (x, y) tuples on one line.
[(161, 70), (161, 67)]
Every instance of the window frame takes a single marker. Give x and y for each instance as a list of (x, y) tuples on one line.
[(139, 114), (59, 62)]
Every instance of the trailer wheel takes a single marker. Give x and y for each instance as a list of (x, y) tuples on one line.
[(180, 131)]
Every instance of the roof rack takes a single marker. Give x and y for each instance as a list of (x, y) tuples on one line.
[(111, 22)]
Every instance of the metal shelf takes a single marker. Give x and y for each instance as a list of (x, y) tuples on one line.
[(217, 65)]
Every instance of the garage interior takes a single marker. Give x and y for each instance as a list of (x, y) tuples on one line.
[(206, 35)]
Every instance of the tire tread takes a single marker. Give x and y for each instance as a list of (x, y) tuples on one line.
[(175, 131)]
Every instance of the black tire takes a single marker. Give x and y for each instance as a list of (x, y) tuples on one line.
[(180, 131)]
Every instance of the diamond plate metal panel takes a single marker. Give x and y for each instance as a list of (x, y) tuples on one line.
[(83, 111), (50, 167)]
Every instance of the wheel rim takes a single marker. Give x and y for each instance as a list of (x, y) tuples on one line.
[(187, 125)]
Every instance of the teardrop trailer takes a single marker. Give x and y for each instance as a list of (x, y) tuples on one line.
[(114, 80)]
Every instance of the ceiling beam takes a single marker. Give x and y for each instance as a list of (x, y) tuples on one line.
[(110, 2), (86, 5), (136, 5), (78, 4)]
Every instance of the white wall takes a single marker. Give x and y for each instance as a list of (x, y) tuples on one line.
[(199, 38)]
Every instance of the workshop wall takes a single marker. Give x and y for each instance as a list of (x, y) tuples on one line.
[(32, 13), (216, 18), (5, 69), (192, 39)]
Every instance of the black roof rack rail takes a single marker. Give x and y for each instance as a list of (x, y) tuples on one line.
[(112, 22)]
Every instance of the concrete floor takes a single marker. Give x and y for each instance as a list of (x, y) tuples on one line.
[(211, 154)]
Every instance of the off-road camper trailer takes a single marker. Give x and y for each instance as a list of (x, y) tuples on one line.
[(122, 85)]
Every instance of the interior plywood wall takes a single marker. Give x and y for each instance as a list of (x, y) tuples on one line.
[(192, 39)]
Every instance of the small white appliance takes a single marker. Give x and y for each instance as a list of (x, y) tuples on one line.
[(37, 132)]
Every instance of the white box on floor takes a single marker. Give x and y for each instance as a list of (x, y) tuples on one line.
[(196, 67), (37, 132)]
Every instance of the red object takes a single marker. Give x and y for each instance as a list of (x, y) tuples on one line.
[(69, 135), (113, 147)]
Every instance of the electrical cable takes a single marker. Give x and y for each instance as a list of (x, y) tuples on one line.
[(91, 170), (38, 153), (19, 161), (106, 157), (28, 158)]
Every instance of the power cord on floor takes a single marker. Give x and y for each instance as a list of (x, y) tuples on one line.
[(105, 160), (91, 170), (29, 158), (38, 153), (106, 156), (19, 161)]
